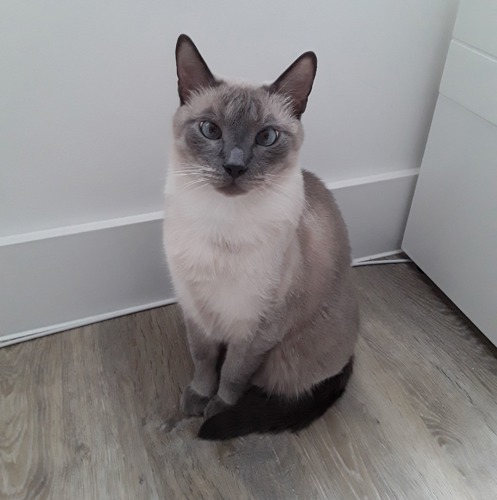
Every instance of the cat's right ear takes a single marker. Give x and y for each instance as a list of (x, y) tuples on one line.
[(193, 72)]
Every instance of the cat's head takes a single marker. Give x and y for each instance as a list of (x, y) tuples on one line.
[(236, 137)]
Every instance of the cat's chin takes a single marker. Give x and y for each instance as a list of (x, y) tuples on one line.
[(231, 189)]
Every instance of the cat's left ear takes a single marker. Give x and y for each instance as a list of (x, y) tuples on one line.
[(193, 72), (296, 82)]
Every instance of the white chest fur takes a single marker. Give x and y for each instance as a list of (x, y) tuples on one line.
[(225, 254)]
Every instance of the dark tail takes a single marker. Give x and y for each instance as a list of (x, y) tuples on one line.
[(258, 412)]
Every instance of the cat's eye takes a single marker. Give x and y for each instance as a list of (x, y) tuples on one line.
[(210, 130), (267, 136)]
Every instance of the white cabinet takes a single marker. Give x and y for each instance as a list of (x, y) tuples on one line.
[(451, 232)]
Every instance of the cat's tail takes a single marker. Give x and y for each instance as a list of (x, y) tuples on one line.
[(258, 412)]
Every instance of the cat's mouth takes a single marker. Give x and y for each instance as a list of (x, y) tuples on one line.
[(231, 189)]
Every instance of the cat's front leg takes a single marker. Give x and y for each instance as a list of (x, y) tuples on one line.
[(242, 360), (205, 354)]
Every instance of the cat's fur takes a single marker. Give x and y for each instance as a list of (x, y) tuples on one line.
[(260, 261)]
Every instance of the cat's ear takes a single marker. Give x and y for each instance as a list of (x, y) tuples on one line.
[(193, 72), (296, 81)]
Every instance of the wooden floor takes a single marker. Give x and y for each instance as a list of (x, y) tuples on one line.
[(93, 413)]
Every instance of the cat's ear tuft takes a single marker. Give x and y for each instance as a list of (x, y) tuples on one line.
[(193, 72), (296, 82)]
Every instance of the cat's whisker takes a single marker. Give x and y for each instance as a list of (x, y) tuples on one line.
[(195, 181), (196, 173), (184, 173), (198, 187), (192, 170), (195, 166)]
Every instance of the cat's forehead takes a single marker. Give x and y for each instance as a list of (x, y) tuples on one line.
[(235, 103), (241, 103)]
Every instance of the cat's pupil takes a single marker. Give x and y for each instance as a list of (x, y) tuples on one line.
[(210, 130), (266, 137)]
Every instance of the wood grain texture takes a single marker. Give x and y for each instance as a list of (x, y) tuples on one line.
[(93, 413)]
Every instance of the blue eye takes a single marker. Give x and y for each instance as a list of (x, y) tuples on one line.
[(210, 130), (267, 136)]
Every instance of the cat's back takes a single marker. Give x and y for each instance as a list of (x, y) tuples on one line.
[(323, 223), (314, 188), (318, 196)]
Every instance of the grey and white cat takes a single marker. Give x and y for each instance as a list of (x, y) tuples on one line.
[(258, 253)]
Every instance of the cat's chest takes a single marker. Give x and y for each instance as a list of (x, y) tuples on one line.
[(226, 255), (215, 258), (223, 281), (231, 284)]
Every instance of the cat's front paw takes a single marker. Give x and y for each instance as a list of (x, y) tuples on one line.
[(192, 403), (215, 405)]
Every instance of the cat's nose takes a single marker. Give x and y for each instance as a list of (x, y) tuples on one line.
[(235, 165), (235, 170)]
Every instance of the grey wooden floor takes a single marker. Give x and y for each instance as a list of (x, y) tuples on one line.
[(93, 413)]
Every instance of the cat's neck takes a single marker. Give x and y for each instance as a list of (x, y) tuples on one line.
[(275, 207)]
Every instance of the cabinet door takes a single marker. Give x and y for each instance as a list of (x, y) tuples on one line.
[(451, 232)]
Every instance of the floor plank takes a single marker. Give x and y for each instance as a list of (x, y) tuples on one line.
[(93, 413)]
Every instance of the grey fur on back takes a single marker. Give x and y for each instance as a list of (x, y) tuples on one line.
[(257, 248), (321, 315)]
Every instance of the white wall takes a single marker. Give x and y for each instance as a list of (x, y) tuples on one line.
[(87, 91)]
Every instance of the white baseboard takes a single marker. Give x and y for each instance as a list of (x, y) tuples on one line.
[(375, 209), (376, 256), (68, 277), (74, 278), (15, 338)]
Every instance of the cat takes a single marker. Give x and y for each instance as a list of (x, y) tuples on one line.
[(258, 253)]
